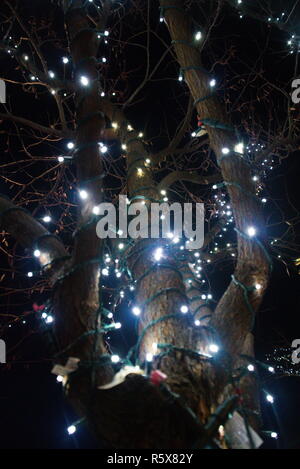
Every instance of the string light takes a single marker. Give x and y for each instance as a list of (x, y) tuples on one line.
[(36, 253), (115, 358), (70, 145), (71, 429), (251, 231), (29, 274), (198, 35), (60, 159), (250, 368), (158, 254), (184, 309), (65, 60), (212, 83), (213, 348), (270, 398), (83, 194), (136, 310), (84, 80), (47, 219)]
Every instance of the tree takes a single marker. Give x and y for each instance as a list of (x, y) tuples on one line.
[(92, 104)]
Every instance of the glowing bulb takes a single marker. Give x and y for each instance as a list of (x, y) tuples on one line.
[(225, 151), (49, 319), (271, 369), (96, 210), (149, 357), (71, 429), (30, 274), (26, 57), (115, 358), (47, 219), (114, 125), (65, 60), (118, 325), (104, 60), (121, 246), (124, 146), (274, 435), (251, 231), (105, 272), (60, 159), (198, 35), (136, 310), (70, 145), (51, 74), (212, 83), (106, 33), (60, 378), (239, 148), (184, 309), (250, 368), (36, 253), (270, 398), (141, 134), (213, 348), (83, 194), (103, 148), (163, 192), (258, 286), (158, 253), (197, 322), (84, 81)]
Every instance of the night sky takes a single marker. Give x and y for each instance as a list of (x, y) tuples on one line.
[(33, 411)]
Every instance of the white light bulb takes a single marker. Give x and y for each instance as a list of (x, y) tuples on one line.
[(225, 151), (60, 378), (184, 309), (104, 59), (258, 286), (49, 319), (136, 310), (83, 194), (239, 148), (212, 83), (270, 398), (274, 435), (271, 369), (60, 159), (36, 253), (47, 219), (115, 358), (30, 274), (198, 35), (250, 368), (26, 57), (251, 231), (158, 253), (65, 60), (213, 348), (106, 33), (103, 148), (121, 246), (197, 322), (105, 272), (51, 74), (114, 125), (70, 145), (96, 210), (149, 357), (71, 429), (84, 81), (124, 146), (118, 325)]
